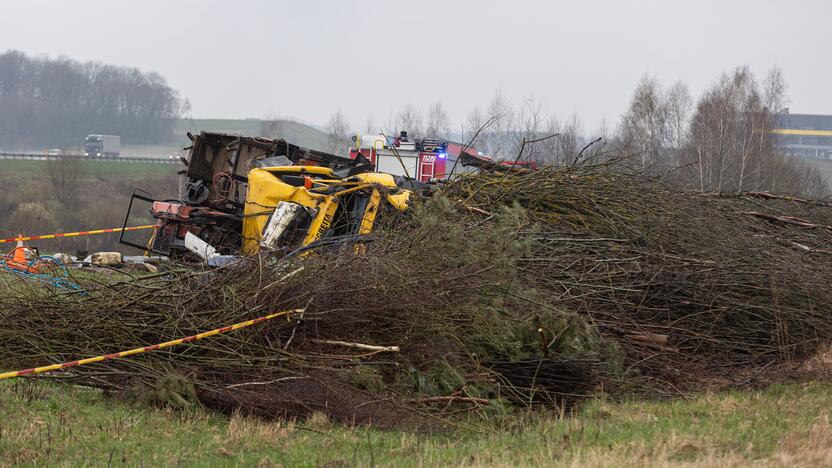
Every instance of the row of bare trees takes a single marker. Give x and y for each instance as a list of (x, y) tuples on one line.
[(720, 142), (59, 101), (433, 123), (656, 124), (723, 143), (500, 129)]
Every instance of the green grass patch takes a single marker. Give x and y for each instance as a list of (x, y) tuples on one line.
[(111, 170), (43, 423)]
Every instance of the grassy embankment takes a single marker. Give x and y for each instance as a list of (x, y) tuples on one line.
[(42, 197), (91, 170), (45, 424)]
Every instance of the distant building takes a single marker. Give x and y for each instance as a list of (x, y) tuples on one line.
[(805, 135)]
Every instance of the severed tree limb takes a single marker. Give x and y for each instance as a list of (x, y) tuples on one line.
[(788, 220), (771, 196), (391, 349), (266, 383), (764, 196), (639, 340), (474, 209), (647, 337), (451, 399)]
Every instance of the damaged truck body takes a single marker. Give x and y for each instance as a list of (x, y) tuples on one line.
[(244, 194)]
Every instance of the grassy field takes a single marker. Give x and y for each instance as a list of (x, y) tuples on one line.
[(294, 132), (91, 169), (44, 423)]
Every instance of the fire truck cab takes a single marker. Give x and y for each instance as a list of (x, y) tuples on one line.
[(422, 159)]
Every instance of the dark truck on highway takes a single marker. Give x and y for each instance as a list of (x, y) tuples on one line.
[(102, 145)]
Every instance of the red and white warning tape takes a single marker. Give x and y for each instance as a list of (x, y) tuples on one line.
[(75, 234)]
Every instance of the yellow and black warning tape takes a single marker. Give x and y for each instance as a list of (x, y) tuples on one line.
[(39, 370)]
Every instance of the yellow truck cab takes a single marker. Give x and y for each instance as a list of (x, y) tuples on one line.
[(294, 206)]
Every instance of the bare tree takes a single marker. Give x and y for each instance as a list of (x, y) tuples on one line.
[(731, 144), (499, 140), (564, 148), (775, 97), (474, 122), (33, 217), (678, 107), (438, 125), (551, 148), (569, 140), (530, 126), (409, 119), (369, 125), (644, 127), (599, 143), (337, 131), (65, 176), (717, 130)]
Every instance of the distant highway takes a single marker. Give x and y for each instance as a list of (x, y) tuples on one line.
[(78, 157)]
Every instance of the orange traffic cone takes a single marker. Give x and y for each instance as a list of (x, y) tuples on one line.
[(19, 260), (19, 255)]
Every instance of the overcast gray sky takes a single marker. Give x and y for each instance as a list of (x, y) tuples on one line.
[(305, 59)]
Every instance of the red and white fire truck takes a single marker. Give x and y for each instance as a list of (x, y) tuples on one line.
[(427, 159), (422, 159)]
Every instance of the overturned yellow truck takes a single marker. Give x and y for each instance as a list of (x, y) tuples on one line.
[(325, 207), (244, 194)]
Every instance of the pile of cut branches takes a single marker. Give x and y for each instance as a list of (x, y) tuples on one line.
[(687, 285), (501, 290)]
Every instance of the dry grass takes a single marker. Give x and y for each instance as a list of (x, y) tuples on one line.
[(784, 425), (246, 433), (798, 448)]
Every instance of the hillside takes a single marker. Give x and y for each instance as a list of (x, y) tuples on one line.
[(295, 132)]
